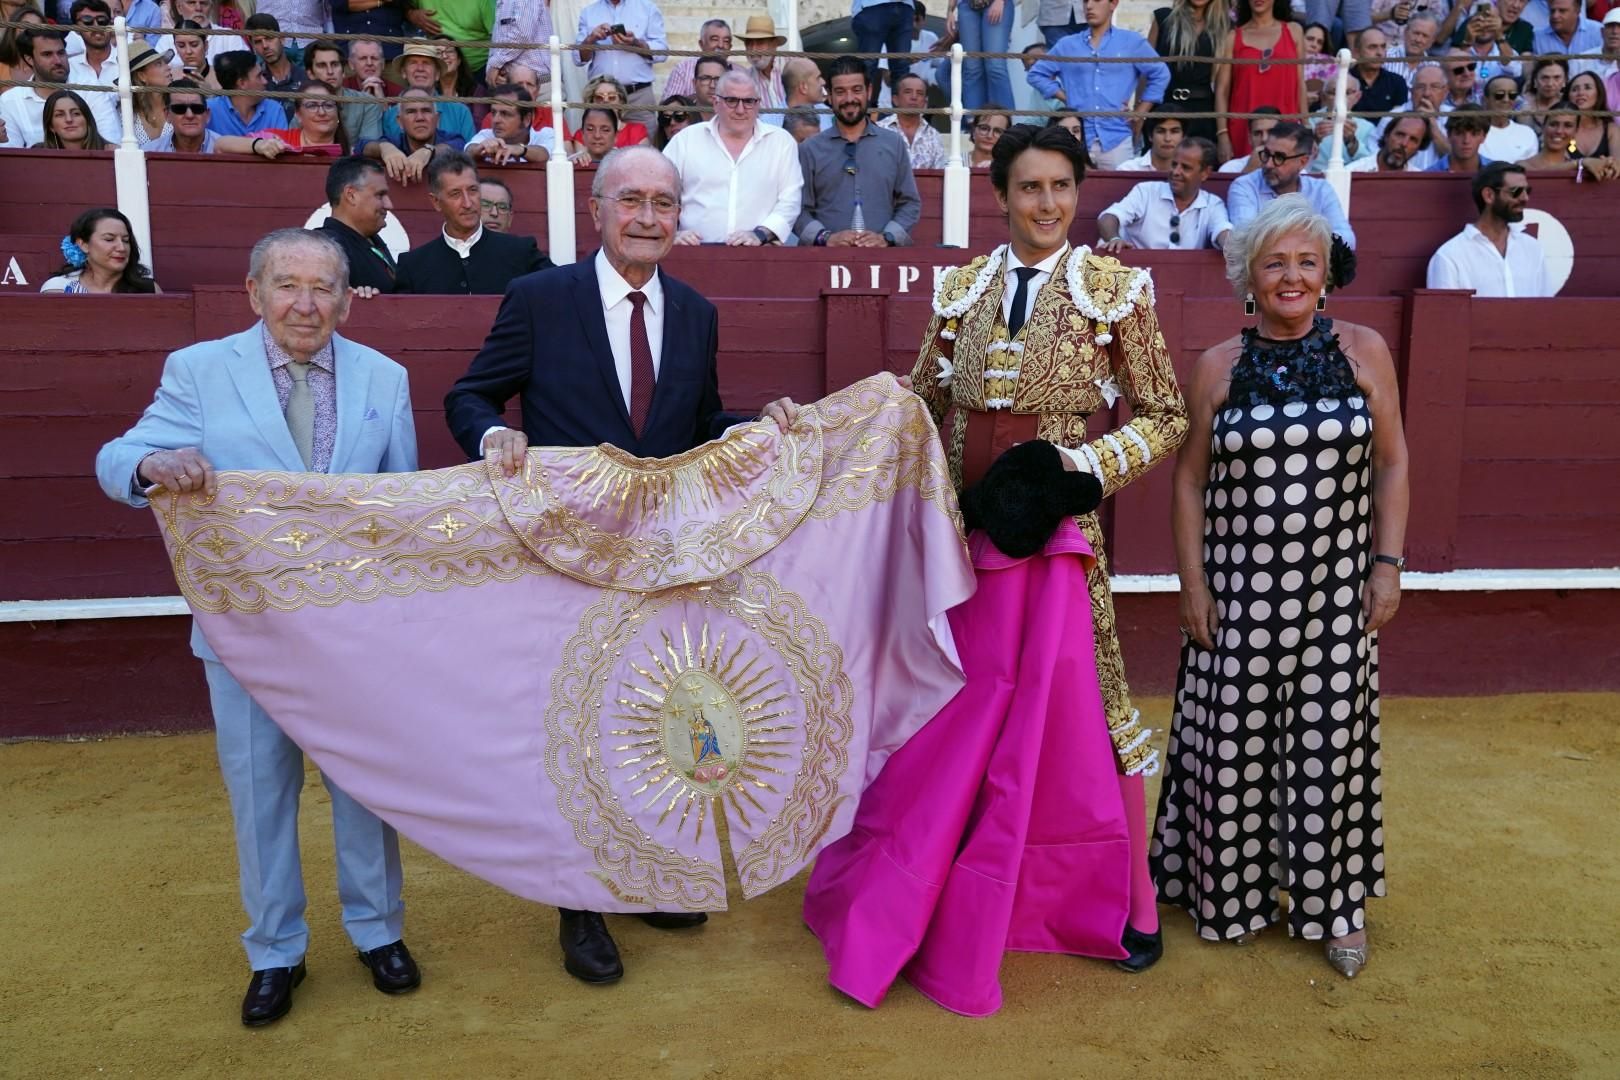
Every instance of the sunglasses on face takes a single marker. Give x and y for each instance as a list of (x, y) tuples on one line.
[(1276, 157), (1465, 68), (1501, 95), (189, 108), (1517, 191), (94, 20), (680, 118)]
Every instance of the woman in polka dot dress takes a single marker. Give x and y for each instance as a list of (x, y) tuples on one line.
[(1292, 477)]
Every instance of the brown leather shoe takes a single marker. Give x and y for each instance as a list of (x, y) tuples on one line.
[(269, 994), (674, 920), (393, 971), (589, 953)]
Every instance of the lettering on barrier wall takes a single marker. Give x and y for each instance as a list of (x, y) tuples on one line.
[(13, 274), (901, 277)]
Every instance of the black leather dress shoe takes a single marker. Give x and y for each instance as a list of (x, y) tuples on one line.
[(269, 994), (392, 969), (589, 953), (1145, 950), (674, 920)]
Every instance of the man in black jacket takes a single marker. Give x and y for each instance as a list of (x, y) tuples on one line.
[(357, 190), (465, 257)]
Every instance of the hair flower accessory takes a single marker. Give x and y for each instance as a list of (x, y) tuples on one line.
[(73, 253)]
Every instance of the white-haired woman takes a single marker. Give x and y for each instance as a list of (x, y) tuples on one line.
[(1289, 513)]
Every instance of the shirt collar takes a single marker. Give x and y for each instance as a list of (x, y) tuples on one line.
[(1047, 265), (1200, 200), (463, 247), (280, 357), (614, 288)]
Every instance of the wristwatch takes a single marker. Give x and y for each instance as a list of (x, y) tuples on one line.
[(1397, 561)]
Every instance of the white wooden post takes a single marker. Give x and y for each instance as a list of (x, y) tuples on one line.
[(1336, 174), (129, 160), (559, 172), (955, 224)]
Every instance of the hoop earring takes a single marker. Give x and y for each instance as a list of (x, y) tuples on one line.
[(1248, 304), (1321, 300)]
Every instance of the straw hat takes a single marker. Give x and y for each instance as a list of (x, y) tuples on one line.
[(763, 28), (426, 49), (143, 55)]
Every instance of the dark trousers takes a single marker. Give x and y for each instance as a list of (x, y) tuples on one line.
[(884, 26)]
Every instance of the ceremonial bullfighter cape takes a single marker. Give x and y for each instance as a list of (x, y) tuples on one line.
[(558, 680), (1020, 842)]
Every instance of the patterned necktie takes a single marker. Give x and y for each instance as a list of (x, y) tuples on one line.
[(1020, 299), (641, 365), (301, 412)]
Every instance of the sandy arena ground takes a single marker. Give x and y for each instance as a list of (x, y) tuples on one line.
[(1495, 954)]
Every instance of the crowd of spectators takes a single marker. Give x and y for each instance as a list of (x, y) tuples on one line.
[(774, 150)]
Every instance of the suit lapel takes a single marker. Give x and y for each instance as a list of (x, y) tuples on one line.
[(353, 388), (250, 371), (588, 302)]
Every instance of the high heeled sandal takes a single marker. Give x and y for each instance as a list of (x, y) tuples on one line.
[(1347, 960)]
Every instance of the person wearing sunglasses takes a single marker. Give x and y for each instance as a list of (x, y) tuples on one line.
[(858, 187), (1490, 256), (1507, 140), (1289, 148), (1462, 79), (92, 23), (1466, 126), (188, 131), (1175, 212), (1263, 33), (740, 178), (675, 113)]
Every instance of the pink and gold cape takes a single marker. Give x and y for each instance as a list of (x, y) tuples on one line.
[(562, 681)]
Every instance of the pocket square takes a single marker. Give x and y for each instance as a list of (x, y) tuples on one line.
[(371, 414)]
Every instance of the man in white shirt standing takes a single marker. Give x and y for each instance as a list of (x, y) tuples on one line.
[(1490, 256), (97, 65), (637, 26), (1174, 214), (22, 108), (740, 178)]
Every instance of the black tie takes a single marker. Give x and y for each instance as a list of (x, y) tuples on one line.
[(1020, 299)]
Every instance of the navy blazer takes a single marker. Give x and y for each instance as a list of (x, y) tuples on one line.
[(494, 263), (550, 345)]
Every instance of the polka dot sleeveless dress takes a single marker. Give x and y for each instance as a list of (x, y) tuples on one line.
[(1272, 776)]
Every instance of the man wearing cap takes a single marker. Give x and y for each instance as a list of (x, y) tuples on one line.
[(418, 67), (98, 65), (637, 27), (761, 41)]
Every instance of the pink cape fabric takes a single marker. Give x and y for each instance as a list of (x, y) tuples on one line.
[(557, 680), (1001, 825)]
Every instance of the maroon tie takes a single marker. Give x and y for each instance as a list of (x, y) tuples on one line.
[(641, 365)]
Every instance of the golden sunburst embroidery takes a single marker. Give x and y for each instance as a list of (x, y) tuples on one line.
[(698, 722)]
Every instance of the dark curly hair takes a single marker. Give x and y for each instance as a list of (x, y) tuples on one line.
[(135, 278), (1021, 137)]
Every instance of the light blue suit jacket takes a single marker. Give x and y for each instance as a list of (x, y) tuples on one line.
[(219, 397)]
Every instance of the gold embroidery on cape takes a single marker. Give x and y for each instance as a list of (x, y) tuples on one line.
[(742, 690), (225, 556), (1058, 378)]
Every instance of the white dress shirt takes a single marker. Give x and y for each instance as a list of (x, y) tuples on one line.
[(616, 310), (463, 248), (1144, 217), (103, 104), (641, 18), (545, 138), (1470, 260), (23, 110), (721, 195), (1370, 164), (1044, 268), (1144, 163)]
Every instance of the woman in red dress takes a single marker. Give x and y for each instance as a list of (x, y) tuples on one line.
[(1262, 34)]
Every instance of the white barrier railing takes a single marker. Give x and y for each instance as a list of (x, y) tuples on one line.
[(954, 226), (129, 160), (1336, 174), (559, 171)]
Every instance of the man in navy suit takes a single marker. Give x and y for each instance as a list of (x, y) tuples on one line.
[(609, 350), (291, 394)]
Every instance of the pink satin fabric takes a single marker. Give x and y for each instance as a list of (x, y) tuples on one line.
[(1000, 825), (556, 680)]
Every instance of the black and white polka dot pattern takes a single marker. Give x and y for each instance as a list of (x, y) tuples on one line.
[(1272, 775)]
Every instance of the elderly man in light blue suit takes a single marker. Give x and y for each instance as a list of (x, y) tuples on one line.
[(287, 394)]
